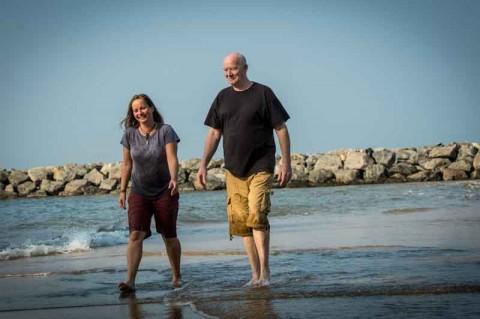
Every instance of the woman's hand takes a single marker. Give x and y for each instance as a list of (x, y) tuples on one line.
[(172, 186), (122, 200)]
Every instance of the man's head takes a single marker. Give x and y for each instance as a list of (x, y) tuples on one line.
[(235, 68)]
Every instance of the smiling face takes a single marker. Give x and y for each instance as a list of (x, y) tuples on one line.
[(142, 112), (235, 70)]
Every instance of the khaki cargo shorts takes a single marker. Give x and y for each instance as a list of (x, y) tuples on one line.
[(248, 202)]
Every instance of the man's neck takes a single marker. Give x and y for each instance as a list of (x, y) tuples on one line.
[(245, 85)]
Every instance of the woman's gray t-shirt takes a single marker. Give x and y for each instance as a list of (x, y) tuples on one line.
[(150, 174)]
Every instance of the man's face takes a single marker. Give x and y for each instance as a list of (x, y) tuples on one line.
[(234, 72)]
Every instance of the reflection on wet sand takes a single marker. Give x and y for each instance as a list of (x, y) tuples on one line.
[(135, 310)]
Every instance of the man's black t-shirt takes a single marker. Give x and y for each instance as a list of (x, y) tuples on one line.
[(247, 119)]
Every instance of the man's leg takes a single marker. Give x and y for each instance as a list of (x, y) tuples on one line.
[(252, 254), (174, 252), (262, 244)]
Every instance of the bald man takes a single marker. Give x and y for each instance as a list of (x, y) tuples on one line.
[(246, 113)]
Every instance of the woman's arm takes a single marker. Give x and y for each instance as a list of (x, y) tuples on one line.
[(172, 160), (126, 171)]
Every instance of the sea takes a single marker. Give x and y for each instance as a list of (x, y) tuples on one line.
[(409, 250)]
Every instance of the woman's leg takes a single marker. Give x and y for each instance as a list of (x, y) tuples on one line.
[(174, 252), (134, 255)]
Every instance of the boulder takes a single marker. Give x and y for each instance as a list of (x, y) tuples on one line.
[(466, 150), (328, 162), (7, 195), (419, 176), (215, 164), (384, 157), (476, 161), (396, 178), (93, 190), (463, 165), (402, 168), (450, 174), (38, 174), (108, 184), (115, 172), (475, 174), (75, 187), (186, 187), (357, 160), (51, 187), (37, 194), (435, 163), (375, 173), (310, 161), (94, 177), (347, 176), (449, 152), (299, 176), (191, 164), (407, 155), (26, 188), (2, 186), (3, 177), (17, 177), (62, 174), (215, 179), (320, 176), (10, 189)]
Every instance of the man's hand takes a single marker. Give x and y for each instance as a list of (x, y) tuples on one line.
[(285, 174), (202, 176)]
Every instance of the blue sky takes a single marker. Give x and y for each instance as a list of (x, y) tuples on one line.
[(350, 73)]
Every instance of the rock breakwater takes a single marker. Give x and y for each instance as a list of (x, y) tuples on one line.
[(455, 161)]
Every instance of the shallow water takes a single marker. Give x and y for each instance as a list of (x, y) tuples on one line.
[(404, 250)]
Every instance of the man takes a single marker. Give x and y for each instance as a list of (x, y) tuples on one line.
[(246, 114)]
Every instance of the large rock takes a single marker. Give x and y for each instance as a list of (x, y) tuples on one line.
[(38, 174), (329, 162), (407, 155), (186, 187), (215, 163), (17, 177), (347, 176), (476, 161), (26, 188), (375, 173), (108, 184), (75, 187), (320, 176), (384, 157), (215, 179), (37, 194), (191, 164), (402, 168), (10, 189), (435, 163), (475, 174), (310, 161), (450, 174), (396, 178), (94, 177), (449, 152), (463, 165), (299, 176), (115, 172), (466, 150), (63, 174), (51, 187), (424, 176), (357, 160), (3, 177)]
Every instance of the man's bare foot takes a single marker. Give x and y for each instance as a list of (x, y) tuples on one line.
[(177, 283), (126, 287), (251, 283)]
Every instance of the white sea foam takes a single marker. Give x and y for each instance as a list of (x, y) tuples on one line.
[(77, 242)]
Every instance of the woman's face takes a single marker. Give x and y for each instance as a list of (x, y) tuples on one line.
[(141, 111)]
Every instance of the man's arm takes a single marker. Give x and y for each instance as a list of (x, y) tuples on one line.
[(211, 143), (284, 139)]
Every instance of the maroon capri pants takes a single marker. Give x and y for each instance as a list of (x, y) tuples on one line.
[(164, 208)]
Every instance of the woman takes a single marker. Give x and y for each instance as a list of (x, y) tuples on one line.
[(150, 160)]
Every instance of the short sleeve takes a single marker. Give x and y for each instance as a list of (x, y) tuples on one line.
[(169, 135), (212, 119), (277, 112), (125, 141)]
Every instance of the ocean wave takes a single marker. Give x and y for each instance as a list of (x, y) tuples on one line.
[(76, 242)]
